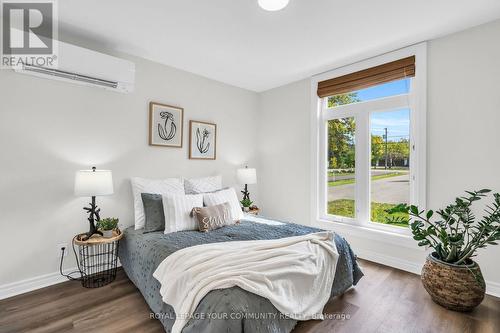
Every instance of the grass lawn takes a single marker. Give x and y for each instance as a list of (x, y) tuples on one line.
[(345, 207), (351, 181), (330, 174)]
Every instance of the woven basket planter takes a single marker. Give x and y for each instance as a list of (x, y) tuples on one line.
[(453, 286)]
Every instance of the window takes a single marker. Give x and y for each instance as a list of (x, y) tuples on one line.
[(389, 162), (383, 90), (341, 166), (371, 153)]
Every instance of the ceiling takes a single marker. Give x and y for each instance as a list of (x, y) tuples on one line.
[(236, 42)]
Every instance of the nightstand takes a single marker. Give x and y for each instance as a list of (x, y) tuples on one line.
[(253, 212), (97, 258)]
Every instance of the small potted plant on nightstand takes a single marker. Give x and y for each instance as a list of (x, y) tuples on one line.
[(246, 203), (107, 226)]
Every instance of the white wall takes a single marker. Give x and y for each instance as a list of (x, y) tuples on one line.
[(50, 129), (463, 119), (463, 138), (284, 158)]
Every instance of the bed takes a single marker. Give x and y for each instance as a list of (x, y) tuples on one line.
[(224, 310)]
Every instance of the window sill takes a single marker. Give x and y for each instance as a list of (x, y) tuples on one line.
[(383, 236)]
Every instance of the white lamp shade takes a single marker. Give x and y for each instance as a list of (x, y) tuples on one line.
[(89, 183), (273, 5), (246, 176)]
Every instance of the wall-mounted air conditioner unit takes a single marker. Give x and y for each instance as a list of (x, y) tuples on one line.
[(83, 66)]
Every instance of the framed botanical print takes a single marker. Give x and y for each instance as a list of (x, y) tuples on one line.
[(165, 125), (202, 140)]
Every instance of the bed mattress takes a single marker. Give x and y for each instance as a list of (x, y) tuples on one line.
[(227, 310)]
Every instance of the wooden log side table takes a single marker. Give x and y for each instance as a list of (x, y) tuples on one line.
[(253, 211), (97, 258)]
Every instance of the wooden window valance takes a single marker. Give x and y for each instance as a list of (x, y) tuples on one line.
[(392, 71)]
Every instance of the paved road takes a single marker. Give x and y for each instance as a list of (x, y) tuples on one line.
[(373, 172), (388, 190)]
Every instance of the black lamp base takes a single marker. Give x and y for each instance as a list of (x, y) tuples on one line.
[(246, 194), (90, 233), (93, 212)]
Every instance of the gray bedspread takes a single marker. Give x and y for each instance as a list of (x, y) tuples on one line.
[(228, 310)]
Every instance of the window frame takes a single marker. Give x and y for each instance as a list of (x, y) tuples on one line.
[(415, 100)]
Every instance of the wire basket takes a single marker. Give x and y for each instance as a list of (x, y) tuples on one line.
[(97, 261)]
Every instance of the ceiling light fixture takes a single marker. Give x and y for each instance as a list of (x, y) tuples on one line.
[(273, 5)]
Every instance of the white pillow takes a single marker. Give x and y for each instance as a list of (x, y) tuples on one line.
[(202, 185), (154, 186), (177, 209), (220, 197)]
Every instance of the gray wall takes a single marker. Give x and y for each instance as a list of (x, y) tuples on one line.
[(50, 129), (463, 119)]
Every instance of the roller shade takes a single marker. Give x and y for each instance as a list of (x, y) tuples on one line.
[(392, 71)]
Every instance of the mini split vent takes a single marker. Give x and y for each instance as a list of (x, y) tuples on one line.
[(70, 76), (86, 67)]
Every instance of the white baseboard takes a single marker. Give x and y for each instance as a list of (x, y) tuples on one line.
[(27, 285), (492, 288), (390, 261), (24, 286)]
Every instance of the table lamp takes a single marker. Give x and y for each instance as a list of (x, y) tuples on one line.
[(92, 183), (246, 176)]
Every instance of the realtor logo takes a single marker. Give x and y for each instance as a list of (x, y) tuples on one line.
[(28, 33)]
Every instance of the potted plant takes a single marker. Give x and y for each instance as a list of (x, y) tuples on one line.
[(449, 275), (107, 226), (246, 203)]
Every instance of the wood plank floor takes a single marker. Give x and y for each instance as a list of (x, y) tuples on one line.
[(385, 300)]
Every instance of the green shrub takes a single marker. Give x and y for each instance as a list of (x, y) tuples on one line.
[(246, 202), (455, 234), (109, 223)]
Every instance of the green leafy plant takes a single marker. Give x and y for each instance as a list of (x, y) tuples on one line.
[(456, 235), (246, 202), (109, 223)]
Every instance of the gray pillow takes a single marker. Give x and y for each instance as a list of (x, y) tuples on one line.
[(153, 212)]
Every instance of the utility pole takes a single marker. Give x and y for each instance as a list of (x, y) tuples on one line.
[(386, 150)]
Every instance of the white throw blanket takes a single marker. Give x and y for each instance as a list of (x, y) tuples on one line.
[(296, 274)]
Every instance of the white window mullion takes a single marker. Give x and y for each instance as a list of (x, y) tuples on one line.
[(386, 103), (362, 168), (418, 143), (413, 145), (323, 172)]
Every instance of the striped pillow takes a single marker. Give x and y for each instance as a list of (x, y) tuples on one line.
[(173, 186), (177, 210), (202, 185), (228, 195)]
